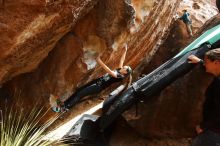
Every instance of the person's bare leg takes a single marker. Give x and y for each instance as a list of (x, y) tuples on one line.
[(189, 29)]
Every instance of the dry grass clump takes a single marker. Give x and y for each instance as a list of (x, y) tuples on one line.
[(23, 128)]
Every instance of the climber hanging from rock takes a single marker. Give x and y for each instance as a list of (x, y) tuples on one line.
[(95, 86)]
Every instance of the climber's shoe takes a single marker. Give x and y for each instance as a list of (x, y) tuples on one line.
[(56, 104), (56, 109)]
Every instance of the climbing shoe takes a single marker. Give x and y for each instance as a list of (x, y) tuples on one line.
[(56, 104)]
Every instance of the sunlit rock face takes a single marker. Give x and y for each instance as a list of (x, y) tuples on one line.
[(29, 30)]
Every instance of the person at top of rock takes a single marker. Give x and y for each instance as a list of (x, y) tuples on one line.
[(209, 129), (97, 85), (188, 22)]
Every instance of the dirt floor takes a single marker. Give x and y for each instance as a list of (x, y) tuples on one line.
[(125, 135)]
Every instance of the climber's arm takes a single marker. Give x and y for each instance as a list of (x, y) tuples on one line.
[(105, 67), (123, 56)]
